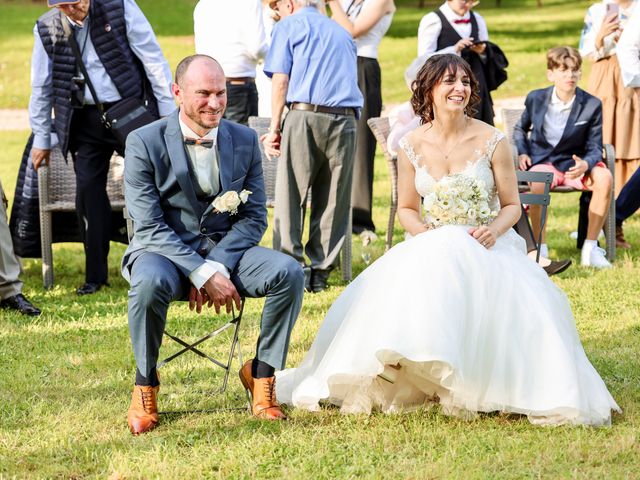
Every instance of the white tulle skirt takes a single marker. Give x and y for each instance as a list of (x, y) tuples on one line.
[(439, 318)]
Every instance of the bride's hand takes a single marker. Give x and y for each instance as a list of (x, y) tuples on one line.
[(485, 235)]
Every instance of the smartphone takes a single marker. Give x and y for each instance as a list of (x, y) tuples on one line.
[(612, 9)]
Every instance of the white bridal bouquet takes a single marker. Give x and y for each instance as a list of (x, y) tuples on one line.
[(230, 201), (458, 200)]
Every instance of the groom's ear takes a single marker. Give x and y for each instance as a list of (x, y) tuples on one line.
[(177, 91)]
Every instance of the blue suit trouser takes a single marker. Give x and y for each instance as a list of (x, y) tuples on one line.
[(156, 282)]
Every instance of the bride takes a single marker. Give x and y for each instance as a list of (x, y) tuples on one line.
[(458, 314)]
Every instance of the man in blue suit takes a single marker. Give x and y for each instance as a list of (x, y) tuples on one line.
[(195, 192), (560, 132)]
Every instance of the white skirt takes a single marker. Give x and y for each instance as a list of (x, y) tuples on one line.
[(439, 318)]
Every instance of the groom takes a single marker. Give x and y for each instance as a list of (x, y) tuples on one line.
[(184, 248)]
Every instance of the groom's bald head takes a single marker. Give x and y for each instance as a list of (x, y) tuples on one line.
[(200, 61)]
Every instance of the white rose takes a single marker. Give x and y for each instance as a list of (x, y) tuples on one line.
[(472, 213), (445, 204), (461, 207), (229, 202), (244, 195), (428, 202), (485, 211)]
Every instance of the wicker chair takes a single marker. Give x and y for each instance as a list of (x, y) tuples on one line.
[(510, 117), (57, 193), (381, 128), (269, 169)]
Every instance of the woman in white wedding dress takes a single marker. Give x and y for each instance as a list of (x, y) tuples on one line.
[(458, 314)]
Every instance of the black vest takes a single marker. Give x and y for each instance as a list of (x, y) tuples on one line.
[(449, 37), (108, 33)]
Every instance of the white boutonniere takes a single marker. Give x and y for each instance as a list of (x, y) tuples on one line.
[(230, 201)]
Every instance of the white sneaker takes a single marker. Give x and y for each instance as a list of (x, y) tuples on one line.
[(574, 235), (594, 257)]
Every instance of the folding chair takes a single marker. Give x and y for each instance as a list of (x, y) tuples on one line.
[(196, 346), (544, 199), (269, 168), (191, 347), (511, 116)]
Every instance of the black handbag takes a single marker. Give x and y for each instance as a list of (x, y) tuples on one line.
[(124, 116)]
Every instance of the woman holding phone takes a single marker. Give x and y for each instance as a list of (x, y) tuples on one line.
[(603, 25), (454, 28)]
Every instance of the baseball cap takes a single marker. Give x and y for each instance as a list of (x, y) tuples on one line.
[(57, 3)]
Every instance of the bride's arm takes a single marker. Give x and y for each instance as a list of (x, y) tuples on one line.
[(504, 173), (408, 197)]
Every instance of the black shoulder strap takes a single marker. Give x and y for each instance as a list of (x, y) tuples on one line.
[(76, 52)]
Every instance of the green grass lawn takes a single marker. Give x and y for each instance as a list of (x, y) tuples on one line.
[(66, 376), (524, 31), (66, 379)]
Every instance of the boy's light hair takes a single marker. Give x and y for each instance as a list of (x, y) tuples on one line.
[(557, 58)]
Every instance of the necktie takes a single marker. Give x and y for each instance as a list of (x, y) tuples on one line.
[(462, 20), (203, 142)]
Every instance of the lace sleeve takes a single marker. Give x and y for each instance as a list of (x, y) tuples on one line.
[(492, 143), (409, 152)]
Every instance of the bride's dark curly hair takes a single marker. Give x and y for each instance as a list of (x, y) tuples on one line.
[(432, 73)]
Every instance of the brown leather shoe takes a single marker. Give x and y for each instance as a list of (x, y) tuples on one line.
[(143, 411), (263, 394), (620, 240)]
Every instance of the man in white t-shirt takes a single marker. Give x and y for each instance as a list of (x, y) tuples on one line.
[(233, 34)]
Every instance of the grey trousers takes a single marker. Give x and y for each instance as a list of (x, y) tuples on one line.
[(317, 153), (156, 282), (10, 285)]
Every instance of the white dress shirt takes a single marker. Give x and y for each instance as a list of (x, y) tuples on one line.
[(232, 32), (629, 51), (205, 166), (555, 120), (204, 160), (431, 26), (592, 24), (144, 45)]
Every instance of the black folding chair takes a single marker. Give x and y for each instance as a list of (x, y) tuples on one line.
[(196, 346), (528, 198), (191, 347)]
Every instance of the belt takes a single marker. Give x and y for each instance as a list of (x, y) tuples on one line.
[(308, 107), (240, 80)]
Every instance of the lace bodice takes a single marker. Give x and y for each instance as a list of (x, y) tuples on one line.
[(467, 197)]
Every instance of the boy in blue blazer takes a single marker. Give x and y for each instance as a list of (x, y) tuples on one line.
[(560, 132)]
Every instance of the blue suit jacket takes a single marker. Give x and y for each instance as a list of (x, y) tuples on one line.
[(161, 198), (582, 135)]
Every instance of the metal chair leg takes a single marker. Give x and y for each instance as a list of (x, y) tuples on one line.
[(347, 273)]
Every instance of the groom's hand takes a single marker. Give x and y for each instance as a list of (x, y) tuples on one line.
[(221, 291), (197, 298)]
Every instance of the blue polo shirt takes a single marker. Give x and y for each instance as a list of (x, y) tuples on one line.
[(320, 58)]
